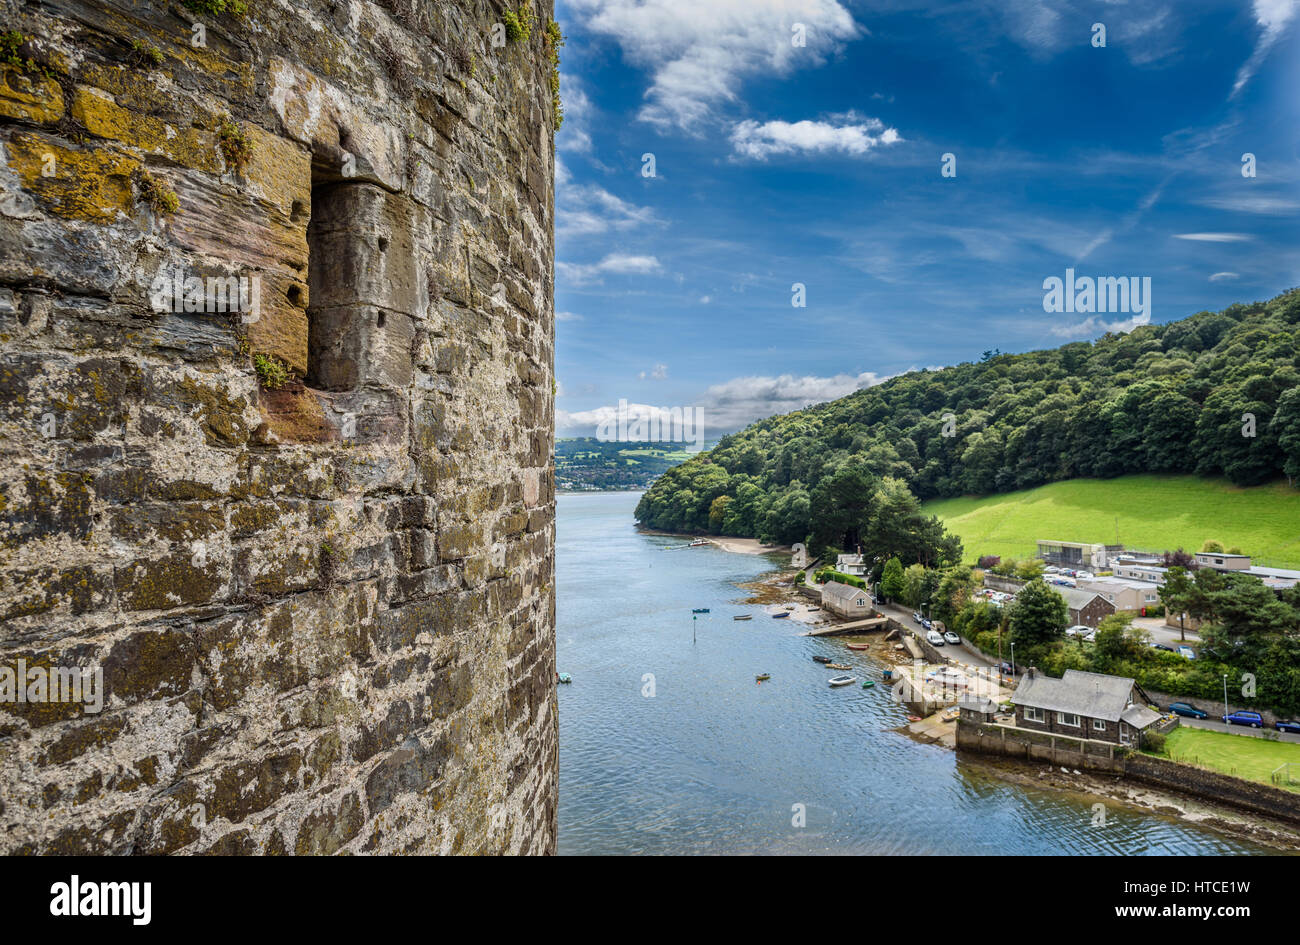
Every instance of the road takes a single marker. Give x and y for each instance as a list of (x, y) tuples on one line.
[(964, 653)]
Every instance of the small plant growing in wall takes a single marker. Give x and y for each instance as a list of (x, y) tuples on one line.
[(271, 372), (217, 7), (144, 56), (160, 198), (554, 40), (235, 146), (12, 51), (519, 24)]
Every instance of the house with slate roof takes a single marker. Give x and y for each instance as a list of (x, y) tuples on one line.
[(1082, 705)]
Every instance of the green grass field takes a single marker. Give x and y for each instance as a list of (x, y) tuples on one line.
[(1251, 758), (1151, 513)]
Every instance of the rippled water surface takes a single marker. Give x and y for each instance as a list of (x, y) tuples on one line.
[(714, 763)]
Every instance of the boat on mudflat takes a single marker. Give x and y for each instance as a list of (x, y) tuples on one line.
[(781, 613), (836, 681), (859, 646), (743, 617), (699, 541)]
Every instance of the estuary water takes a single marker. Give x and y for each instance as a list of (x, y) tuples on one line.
[(668, 745)]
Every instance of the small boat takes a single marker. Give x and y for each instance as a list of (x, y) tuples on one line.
[(762, 677), (563, 678), (697, 542), (867, 683), (859, 646), (790, 606), (821, 659), (842, 680), (838, 666), (779, 614), (699, 610), (743, 617)]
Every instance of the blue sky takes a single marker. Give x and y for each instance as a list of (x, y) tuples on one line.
[(820, 164)]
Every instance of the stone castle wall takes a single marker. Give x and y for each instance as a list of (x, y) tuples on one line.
[(307, 538)]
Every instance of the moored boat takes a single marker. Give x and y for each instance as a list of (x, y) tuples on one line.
[(842, 680), (743, 617), (838, 666), (821, 659), (867, 683), (563, 678), (699, 541), (762, 677), (780, 614), (859, 646), (699, 610)]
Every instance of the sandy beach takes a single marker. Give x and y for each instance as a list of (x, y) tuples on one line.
[(748, 546), (740, 546)]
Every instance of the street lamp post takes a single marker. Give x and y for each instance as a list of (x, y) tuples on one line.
[(1013, 660), (1225, 695)]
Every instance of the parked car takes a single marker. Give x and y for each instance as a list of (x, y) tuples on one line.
[(927, 624), (1078, 630), (1187, 652), (935, 637), (1005, 668), (916, 615), (1161, 646), (1241, 717), (1187, 711), (1051, 569), (950, 637), (1292, 727), (1086, 575)]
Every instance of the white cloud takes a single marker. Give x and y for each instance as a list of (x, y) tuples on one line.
[(742, 400), (1214, 237), (574, 134), (698, 53), (1224, 277), (1093, 326), (658, 373), (735, 403), (1253, 203), (584, 209), (568, 317), (1273, 16), (856, 136), (614, 263)]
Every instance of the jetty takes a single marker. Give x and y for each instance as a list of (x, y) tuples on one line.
[(869, 625)]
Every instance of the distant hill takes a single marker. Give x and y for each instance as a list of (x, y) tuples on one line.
[(585, 464), (1173, 398), (1150, 512)]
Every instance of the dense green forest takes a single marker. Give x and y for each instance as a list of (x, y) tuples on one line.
[(1216, 394)]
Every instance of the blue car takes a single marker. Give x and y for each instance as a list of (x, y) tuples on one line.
[(1253, 719), (1187, 711), (1292, 727)]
